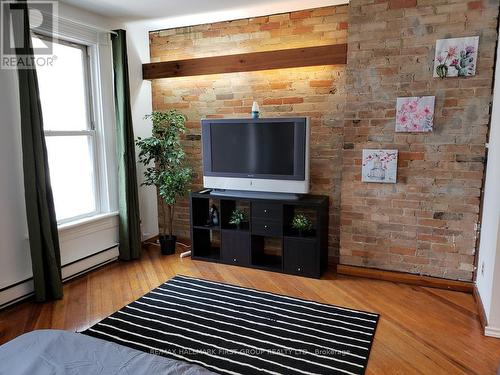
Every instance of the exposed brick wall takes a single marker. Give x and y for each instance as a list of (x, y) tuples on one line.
[(317, 92), (425, 223)]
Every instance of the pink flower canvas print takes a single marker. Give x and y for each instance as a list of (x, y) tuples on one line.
[(415, 114), (379, 166), (456, 57)]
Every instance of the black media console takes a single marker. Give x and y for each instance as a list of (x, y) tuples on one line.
[(267, 241)]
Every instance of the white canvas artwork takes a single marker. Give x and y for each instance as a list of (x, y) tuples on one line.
[(456, 57), (415, 114), (380, 166)]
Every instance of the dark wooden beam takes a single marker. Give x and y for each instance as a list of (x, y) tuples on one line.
[(335, 54)]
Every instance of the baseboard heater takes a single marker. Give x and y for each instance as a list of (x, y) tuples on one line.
[(24, 289)]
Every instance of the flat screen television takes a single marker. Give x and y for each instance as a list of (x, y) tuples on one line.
[(262, 155)]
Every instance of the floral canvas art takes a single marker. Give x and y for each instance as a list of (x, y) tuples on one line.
[(415, 114), (379, 166), (456, 57)]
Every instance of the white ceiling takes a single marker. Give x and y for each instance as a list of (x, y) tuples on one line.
[(134, 10)]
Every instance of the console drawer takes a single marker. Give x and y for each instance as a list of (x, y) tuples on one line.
[(301, 257), (266, 227), (235, 247), (267, 211)]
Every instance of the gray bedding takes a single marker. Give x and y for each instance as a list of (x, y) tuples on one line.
[(56, 352)]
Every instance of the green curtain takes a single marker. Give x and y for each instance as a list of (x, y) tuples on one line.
[(130, 232), (42, 223)]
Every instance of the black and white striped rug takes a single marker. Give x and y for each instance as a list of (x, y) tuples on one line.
[(234, 330)]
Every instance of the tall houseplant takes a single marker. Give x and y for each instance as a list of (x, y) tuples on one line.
[(163, 156)]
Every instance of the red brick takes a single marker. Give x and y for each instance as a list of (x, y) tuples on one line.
[(475, 5), (402, 250), (321, 83), (279, 85), (431, 238), (300, 15), (270, 101), (211, 33), (343, 26), (190, 98), (243, 110), (270, 26), (411, 155), (381, 225), (292, 100), (233, 103), (398, 4), (443, 248), (321, 12), (302, 30), (432, 223), (450, 102)]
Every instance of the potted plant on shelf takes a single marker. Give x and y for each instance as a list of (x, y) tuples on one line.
[(301, 224), (163, 156), (238, 217)]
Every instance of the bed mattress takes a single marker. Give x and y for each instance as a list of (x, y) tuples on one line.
[(57, 352)]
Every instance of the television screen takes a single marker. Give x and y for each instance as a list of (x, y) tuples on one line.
[(253, 149), (246, 148)]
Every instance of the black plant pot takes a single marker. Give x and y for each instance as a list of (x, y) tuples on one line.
[(167, 244)]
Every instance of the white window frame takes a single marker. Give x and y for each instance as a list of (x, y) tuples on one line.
[(90, 131), (101, 105)]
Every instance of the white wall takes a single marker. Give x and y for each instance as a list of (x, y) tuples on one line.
[(140, 93), (493, 328), (140, 90), (15, 259), (488, 274), (15, 263)]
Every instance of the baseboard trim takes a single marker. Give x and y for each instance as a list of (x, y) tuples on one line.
[(405, 278), (492, 332), (24, 290), (480, 308), (87, 264), (153, 242), (16, 293)]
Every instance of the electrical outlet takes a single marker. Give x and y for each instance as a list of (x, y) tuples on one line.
[(482, 269)]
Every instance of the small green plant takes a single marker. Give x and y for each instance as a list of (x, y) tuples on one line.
[(301, 224), (238, 217)]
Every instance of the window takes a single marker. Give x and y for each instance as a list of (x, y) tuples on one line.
[(70, 135)]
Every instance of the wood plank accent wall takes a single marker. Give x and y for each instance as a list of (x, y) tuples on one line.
[(334, 54)]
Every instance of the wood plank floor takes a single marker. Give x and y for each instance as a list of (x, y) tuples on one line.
[(421, 330)]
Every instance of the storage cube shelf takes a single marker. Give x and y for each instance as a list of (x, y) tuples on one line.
[(267, 241)]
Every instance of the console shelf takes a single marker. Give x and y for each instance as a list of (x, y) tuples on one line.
[(267, 240), (212, 227)]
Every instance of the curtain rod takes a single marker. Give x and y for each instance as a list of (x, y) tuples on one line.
[(97, 28)]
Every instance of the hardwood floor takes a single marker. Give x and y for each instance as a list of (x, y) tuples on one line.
[(421, 330)]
